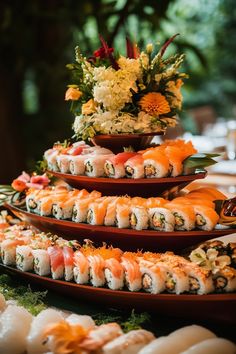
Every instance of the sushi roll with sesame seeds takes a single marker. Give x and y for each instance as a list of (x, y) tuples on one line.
[(200, 280), (24, 258), (153, 277), (161, 219), (225, 280), (41, 262)]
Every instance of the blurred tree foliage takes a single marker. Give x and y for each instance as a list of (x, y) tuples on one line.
[(38, 40)]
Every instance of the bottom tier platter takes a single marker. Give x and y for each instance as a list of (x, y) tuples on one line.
[(127, 239), (212, 307)]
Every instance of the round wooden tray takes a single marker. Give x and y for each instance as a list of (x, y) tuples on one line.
[(145, 187), (127, 239), (214, 307)]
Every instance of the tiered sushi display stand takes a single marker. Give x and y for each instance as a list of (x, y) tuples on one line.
[(220, 307)]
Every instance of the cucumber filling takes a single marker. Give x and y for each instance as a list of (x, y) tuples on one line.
[(170, 283), (179, 221), (32, 204), (150, 170), (74, 213), (158, 220)]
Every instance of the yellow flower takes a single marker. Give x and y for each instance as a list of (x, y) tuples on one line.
[(73, 94), (154, 103), (89, 107), (174, 87)]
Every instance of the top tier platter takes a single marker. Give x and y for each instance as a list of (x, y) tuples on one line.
[(144, 187)]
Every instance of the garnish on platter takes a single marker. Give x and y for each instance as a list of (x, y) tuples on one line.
[(114, 94), (198, 161)]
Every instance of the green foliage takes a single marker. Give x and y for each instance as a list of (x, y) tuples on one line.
[(198, 162)]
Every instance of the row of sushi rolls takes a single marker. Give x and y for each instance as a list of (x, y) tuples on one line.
[(30, 250), (55, 332), (192, 210), (155, 162)]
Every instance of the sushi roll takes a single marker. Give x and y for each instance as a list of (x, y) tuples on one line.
[(153, 277), (110, 217), (175, 157), (177, 281), (24, 258), (51, 158), (63, 163), (114, 274), (8, 251), (123, 216), (184, 216), (94, 165), (156, 164), (114, 166), (225, 280), (200, 280), (81, 207), (97, 210), (206, 218), (138, 218), (56, 262), (134, 167), (161, 219), (76, 165), (96, 270), (81, 268), (129, 343), (156, 202), (41, 262), (133, 276), (68, 256), (30, 200), (62, 208)]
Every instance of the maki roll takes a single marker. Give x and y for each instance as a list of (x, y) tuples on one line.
[(81, 268), (156, 202), (41, 262), (81, 206), (134, 167), (206, 218), (175, 157), (97, 210), (200, 280), (63, 163), (8, 251), (184, 216), (24, 258), (68, 256), (161, 219), (76, 166), (114, 166), (96, 270), (114, 274), (133, 276), (153, 277), (56, 262), (123, 216), (156, 164), (94, 165), (138, 218), (51, 158), (231, 251), (225, 280)]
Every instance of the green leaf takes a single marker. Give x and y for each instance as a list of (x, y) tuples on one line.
[(198, 161)]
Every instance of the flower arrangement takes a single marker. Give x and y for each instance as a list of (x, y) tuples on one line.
[(114, 94)]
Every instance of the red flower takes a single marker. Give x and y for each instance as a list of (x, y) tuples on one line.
[(18, 185), (102, 53)]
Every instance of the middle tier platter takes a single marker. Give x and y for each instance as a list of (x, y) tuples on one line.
[(128, 239), (146, 187)]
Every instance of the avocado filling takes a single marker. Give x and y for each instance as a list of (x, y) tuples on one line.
[(147, 283), (158, 220), (150, 171), (54, 209), (129, 171), (109, 169), (179, 221), (220, 283), (133, 220), (170, 283), (200, 220), (88, 167), (193, 284), (74, 213)]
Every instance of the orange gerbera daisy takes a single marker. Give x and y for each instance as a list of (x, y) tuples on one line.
[(154, 103)]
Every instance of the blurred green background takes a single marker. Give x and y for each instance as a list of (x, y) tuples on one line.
[(38, 39)]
